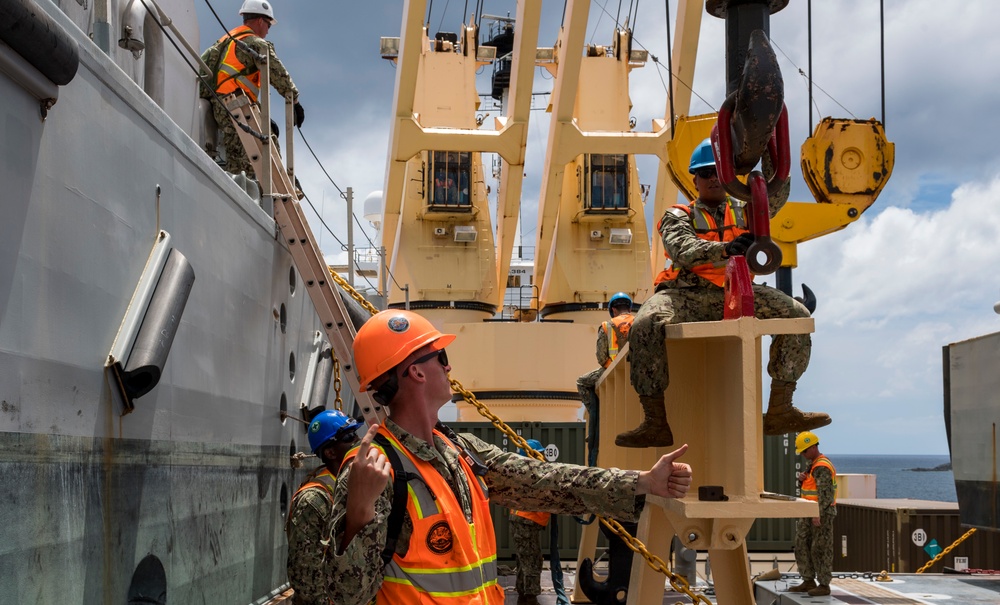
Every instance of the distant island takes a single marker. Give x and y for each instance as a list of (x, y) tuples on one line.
[(941, 467)]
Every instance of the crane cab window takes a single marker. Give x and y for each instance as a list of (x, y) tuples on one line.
[(449, 178), (606, 183)]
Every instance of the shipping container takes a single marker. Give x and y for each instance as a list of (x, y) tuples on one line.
[(780, 465), (901, 535), (564, 442)]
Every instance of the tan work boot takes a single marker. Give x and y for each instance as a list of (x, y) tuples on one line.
[(654, 430), (805, 586), (820, 591), (782, 417)]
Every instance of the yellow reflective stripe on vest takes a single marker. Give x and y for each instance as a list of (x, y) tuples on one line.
[(235, 75), (448, 581), (609, 330)]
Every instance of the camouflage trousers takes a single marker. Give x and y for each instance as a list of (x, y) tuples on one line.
[(586, 385), (236, 156), (814, 549), (527, 538), (647, 343)]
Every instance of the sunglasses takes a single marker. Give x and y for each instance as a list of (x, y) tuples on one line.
[(346, 435), (706, 173), (442, 357)]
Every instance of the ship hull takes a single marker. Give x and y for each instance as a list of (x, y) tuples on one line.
[(198, 475)]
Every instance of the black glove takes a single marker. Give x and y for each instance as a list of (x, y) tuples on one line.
[(739, 246), (275, 132), (300, 115)]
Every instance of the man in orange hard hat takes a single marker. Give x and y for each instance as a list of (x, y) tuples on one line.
[(413, 521)]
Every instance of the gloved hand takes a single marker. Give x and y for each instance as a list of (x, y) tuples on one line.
[(299, 115), (740, 245), (275, 132)]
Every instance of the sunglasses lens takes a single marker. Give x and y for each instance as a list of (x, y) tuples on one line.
[(706, 173), (443, 357)]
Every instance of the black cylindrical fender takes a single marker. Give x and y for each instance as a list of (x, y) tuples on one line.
[(41, 41), (156, 334)]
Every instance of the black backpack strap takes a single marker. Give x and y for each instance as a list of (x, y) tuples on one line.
[(399, 495)]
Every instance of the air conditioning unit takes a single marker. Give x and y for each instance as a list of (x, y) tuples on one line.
[(440, 231), (465, 233), (596, 235), (620, 237)]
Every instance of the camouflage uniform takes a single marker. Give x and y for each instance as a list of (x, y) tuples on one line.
[(514, 481), (814, 545), (236, 157), (693, 298), (526, 535), (586, 385), (309, 518)]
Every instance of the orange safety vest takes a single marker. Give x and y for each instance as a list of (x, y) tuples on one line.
[(617, 325), (536, 516), (809, 490), (232, 73), (321, 477), (704, 225), (450, 560)]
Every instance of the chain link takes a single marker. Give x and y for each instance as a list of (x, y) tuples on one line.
[(678, 583), (338, 402), (354, 293), (946, 551)]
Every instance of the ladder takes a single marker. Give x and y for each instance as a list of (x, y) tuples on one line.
[(306, 255)]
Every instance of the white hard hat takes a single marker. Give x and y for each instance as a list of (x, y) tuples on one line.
[(258, 7)]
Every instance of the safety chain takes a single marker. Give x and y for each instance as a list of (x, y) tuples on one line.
[(354, 293), (946, 551), (678, 583), (338, 402)]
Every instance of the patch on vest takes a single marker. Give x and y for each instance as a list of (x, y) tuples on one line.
[(439, 539)]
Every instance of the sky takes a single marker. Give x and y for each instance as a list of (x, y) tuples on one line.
[(910, 276)]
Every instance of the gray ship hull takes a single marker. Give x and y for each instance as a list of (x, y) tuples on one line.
[(183, 500)]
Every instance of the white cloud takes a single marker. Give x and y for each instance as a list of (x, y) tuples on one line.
[(914, 273), (892, 290)]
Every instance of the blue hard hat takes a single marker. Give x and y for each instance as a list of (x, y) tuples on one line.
[(702, 156), (331, 425), (619, 298), (534, 444)]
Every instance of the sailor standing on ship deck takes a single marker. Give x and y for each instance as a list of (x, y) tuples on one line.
[(232, 59), (443, 548), (331, 435), (814, 536)]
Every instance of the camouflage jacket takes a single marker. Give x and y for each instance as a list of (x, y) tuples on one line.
[(513, 481), (825, 491), (308, 539), (280, 78)]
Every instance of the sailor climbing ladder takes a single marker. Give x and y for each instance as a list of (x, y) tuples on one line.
[(276, 185)]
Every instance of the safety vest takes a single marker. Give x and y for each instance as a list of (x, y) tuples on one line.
[(322, 478), (536, 516), (809, 491), (450, 560), (735, 224), (617, 326), (233, 74)]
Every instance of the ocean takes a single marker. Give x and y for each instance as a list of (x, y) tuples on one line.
[(894, 479)]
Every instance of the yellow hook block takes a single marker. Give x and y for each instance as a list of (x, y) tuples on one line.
[(847, 161)]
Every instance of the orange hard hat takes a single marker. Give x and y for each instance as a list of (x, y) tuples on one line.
[(388, 338)]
